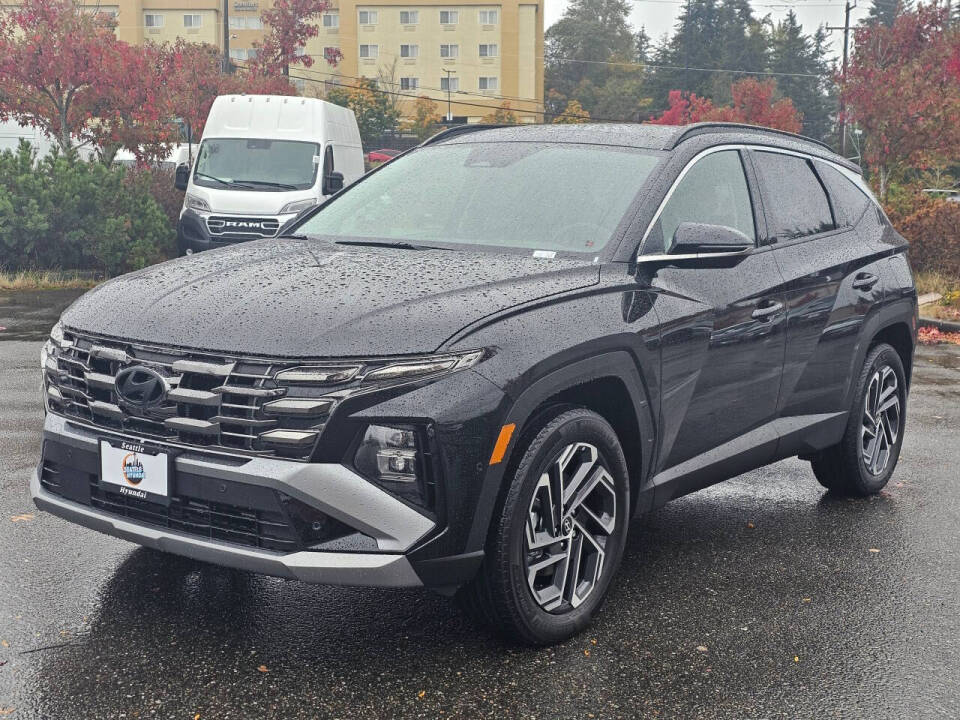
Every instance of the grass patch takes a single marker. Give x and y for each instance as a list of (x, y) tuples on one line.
[(932, 281), (49, 280)]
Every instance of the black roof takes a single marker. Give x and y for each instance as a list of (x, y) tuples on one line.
[(652, 137)]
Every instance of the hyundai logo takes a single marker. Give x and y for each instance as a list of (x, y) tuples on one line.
[(140, 386)]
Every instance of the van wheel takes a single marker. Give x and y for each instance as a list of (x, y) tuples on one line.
[(863, 461), (557, 534)]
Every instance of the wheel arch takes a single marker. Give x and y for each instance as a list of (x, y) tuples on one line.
[(590, 383)]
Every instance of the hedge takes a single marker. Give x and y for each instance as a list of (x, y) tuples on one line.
[(62, 212), (934, 234)]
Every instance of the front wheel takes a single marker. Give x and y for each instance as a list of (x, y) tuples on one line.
[(558, 533), (863, 461)]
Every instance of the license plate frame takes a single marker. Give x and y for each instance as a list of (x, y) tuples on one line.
[(136, 469)]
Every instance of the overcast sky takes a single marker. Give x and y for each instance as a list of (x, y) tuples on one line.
[(659, 16)]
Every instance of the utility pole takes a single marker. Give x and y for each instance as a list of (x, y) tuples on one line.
[(449, 107), (226, 37), (846, 52)]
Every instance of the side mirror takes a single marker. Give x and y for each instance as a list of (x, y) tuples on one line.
[(332, 183), (181, 176), (702, 239)]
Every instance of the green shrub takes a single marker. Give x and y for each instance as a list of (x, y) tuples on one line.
[(62, 212)]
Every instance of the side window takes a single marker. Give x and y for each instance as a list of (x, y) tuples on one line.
[(794, 200), (849, 201), (714, 192)]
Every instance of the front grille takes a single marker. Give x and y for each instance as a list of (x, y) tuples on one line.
[(213, 402), (229, 228)]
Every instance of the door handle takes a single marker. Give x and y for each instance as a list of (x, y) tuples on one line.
[(865, 281), (767, 310)]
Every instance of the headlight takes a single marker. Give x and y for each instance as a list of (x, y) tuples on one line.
[(196, 203), (381, 371), (393, 458), (297, 206)]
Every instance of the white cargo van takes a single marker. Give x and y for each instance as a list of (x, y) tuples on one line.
[(263, 159)]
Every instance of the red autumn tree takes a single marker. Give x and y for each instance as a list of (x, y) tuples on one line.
[(901, 90), (291, 24), (753, 103), (53, 56)]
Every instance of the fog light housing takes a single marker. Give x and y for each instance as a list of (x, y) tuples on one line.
[(393, 458)]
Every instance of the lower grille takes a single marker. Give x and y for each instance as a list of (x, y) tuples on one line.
[(232, 229), (254, 517)]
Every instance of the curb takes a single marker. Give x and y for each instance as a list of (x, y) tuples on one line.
[(941, 325)]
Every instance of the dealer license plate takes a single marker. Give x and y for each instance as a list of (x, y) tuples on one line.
[(135, 470)]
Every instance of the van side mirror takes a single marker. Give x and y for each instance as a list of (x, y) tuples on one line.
[(332, 183), (181, 177), (701, 238)]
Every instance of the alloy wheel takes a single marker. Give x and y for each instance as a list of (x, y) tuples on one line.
[(881, 420), (571, 518)]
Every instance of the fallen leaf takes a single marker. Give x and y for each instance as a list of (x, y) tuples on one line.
[(587, 653), (796, 658), (593, 641), (750, 525), (23, 517), (421, 693), (263, 668), (702, 648), (4, 643), (806, 600), (6, 711), (196, 717), (874, 550)]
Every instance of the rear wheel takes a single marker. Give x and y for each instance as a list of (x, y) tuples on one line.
[(557, 535), (863, 461)]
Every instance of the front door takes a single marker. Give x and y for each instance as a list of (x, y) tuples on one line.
[(722, 336)]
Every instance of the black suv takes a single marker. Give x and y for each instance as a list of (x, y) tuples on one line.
[(472, 368)]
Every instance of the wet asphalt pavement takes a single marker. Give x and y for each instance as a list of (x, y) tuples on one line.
[(763, 597)]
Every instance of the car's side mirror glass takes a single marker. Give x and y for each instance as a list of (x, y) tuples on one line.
[(181, 176), (332, 183), (701, 238)]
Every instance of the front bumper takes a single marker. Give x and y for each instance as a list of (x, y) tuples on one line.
[(193, 233), (329, 488)]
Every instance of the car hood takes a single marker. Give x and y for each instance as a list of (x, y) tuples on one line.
[(309, 298)]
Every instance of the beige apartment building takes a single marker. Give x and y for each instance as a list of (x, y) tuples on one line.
[(474, 55)]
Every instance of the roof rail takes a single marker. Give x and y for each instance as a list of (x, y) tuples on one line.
[(458, 130), (699, 128)]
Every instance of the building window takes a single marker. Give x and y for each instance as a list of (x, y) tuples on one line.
[(409, 51), (449, 51), (369, 51), (488, 17), (409, 17), (240, 22), (449, 17), (450, 83), (331, 20), (242, 53), (488, 50), (488, 83), (409, 83), (192, 21), (153, 21), (368, 17), (331, 54)]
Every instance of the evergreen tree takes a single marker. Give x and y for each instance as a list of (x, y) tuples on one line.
[(803, 74), (886, 11)]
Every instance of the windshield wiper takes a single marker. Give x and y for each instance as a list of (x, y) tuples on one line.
[(401, 244), (268, 183), (225, 183)]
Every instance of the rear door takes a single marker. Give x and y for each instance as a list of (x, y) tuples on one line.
[(722, 333), (830, 282)]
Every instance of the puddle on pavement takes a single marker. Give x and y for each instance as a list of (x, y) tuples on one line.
[(29, 314)]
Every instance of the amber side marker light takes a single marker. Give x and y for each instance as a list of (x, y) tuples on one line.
[(500, 449)]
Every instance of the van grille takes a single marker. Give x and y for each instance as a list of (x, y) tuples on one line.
[(229, 227), (212, 401)]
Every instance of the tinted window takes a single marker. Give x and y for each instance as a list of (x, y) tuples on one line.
[(849, 201), (794, 200), (514, 194), (713, 191)]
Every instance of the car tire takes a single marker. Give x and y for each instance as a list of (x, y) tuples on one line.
[(863, 461), (525, 589)]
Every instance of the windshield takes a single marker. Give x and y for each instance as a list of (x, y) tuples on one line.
[(521, 195), (245, 164)]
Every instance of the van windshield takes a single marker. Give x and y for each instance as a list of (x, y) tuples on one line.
[(248, 164), (547, 196)]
